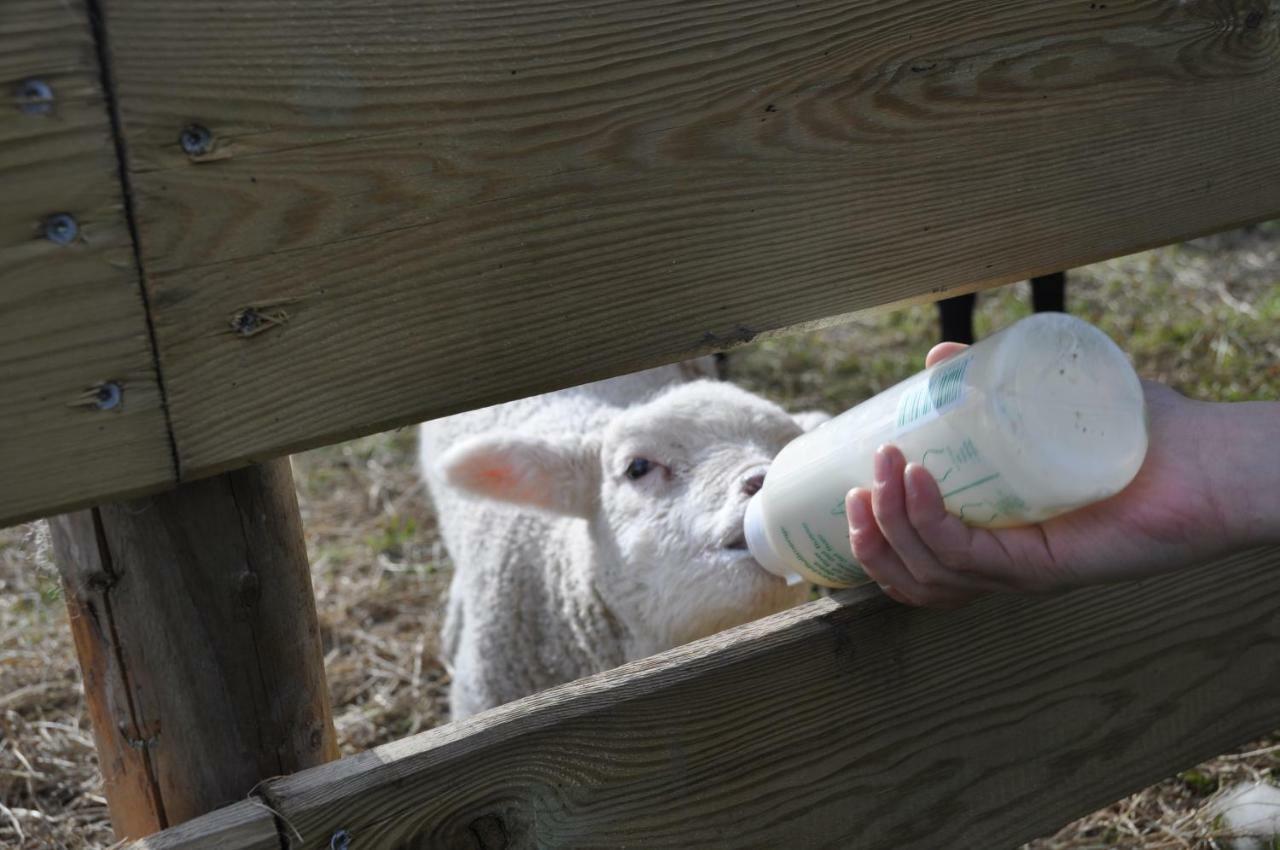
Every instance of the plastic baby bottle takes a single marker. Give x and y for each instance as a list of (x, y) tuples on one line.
[(1039, 419)]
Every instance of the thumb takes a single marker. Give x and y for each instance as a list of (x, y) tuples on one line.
[(943, 351)]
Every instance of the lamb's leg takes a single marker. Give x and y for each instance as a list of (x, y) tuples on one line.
[(956, 315), (451, 632), (1049, 293), (468, 693), (722, 365)]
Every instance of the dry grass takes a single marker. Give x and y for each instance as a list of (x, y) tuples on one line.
[(380, 573), (50, 792), (1201, 316), (1175, 814)]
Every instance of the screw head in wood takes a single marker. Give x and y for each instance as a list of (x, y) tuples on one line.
[(61, 228), (109, 396), (341, 840), (196, 139), (34, 97)]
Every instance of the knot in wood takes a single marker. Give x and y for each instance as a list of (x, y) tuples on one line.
[(247, 322), (489, 832), (250, 588), (254, 319)]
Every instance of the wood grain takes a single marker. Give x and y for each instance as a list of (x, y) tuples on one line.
[(850, 722), (127, 770), (243, 826), (422, 208), (197, 634), (71, 316), (441, 206)]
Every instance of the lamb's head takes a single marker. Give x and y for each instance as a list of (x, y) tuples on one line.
[(663, 489)]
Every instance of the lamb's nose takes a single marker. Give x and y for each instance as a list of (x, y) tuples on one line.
[(752, 485)]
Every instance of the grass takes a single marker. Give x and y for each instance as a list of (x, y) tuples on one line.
[(1200, 316)]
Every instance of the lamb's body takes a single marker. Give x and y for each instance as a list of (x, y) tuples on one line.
[(539, 597), (521, 572)]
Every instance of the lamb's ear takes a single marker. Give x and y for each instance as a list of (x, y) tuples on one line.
[(554, 474), (810, 419)]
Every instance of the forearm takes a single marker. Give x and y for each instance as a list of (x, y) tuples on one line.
[(1241, 457)]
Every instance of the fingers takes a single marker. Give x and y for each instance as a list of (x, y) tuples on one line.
[(889, 546), (974, 557), (948, 540), (873, 552), (888, 501), (943, 351), (883, 533), (893, 512)]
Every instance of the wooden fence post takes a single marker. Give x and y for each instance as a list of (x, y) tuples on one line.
[(196, 628)]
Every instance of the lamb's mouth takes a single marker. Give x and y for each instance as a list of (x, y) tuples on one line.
[(737, 544)]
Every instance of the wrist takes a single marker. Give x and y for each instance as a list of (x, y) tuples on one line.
[(1242, 467)]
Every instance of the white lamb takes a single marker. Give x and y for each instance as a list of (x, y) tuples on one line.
[(1249, 816), (597, 525)]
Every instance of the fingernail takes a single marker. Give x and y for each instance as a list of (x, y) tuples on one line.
[(858, 515), (892, 592), (910, 480), (882, 465)]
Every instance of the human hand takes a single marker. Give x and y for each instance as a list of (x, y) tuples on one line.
[(1184, 505)]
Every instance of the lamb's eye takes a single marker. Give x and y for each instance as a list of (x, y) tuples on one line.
[(639, 468)]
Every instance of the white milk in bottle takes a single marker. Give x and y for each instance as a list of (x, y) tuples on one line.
[(1039, 419)]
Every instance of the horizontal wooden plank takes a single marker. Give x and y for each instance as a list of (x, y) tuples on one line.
[(406, 209), (849, 722), (72, 314), (244, 826)]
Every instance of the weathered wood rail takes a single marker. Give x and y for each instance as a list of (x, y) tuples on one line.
[(851, 722), (195, 625), (71, 313), (234, 230), (413, 208)]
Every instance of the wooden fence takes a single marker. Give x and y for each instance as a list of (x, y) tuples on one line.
[(231, 231), (407, 209), (850, 722)]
